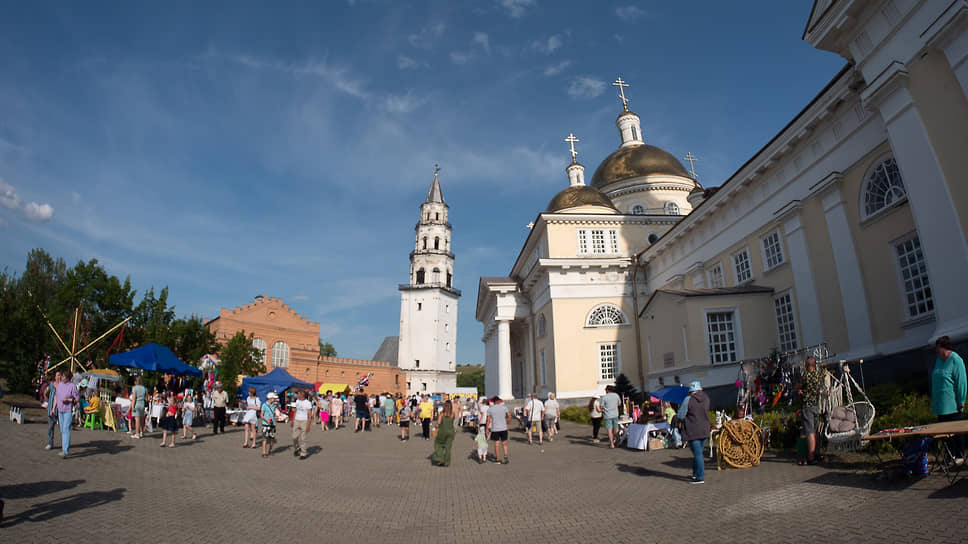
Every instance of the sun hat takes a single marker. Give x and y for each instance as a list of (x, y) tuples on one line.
[(695, 386), (272, 395)]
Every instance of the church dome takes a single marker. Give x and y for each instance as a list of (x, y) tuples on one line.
[(579, 195), (633, 161)]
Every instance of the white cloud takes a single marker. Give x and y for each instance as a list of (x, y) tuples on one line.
[(586, 87), (548, 46), (338, 77), (8, 196), (629, 13), (298, 298), (459, 57), (405, 62), (516, 8), (38, 212), (402, 103), (556, 69), (427, 35), (480, 38)]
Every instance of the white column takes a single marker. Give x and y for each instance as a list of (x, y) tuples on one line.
[(490, 362), (939, 227), (949, 32), (529, 384), (504, 359), (811, 326), (852, 294)]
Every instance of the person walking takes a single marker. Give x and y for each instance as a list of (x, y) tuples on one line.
[(498, 418), (534, 415), (552, 415), (49, 394), (610, 403), (188, 415), (361, 404), (948, 389), (670, 416), (481, 442), (445, 435), (810, 390), (139, 402), (66, 398), (595, 412), (406, 415), (336, 410), (426, 412), (300, 424), (694, 414), (220, 400), (324, 404), (388, 409), (168, 422), (267, 422), (250, 419)]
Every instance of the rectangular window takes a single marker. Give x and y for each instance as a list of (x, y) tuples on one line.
[(608, 361), (417, 363), (772, 250), (918, 300), (721, 335), (543, 368), (741, 263), (597, 241), (419, 306), (786, 326), (715, 274)]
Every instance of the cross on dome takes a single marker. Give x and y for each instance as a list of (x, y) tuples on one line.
[(571, 140), (621, 89), (692, 163), (436, 169)]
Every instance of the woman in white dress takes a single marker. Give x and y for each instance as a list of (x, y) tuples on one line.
[(250, 419)]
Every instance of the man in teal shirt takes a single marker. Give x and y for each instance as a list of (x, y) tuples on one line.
[(948, 389)]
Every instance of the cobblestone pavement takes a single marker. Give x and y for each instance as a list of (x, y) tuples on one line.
[(372, 487)]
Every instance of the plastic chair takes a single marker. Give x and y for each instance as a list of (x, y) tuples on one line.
[(93, 421)]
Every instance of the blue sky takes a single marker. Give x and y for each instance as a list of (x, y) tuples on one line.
[(230, 149)]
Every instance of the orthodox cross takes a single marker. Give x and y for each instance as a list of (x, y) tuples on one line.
[(571, 140), (692, 164), (436, 169), (530, 225), (621, 89)]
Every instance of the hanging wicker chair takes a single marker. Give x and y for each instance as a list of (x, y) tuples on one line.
[(847, 425)]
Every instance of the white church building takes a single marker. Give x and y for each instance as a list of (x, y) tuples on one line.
[(848, 228), (428, 302)]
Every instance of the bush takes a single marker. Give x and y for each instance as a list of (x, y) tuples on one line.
[(578, 414), (912, 409), (784, 428)]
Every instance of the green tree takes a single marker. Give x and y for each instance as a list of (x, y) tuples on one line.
[(471, 376), (190, 339), (326, 349), (239, 358), (624, 387)]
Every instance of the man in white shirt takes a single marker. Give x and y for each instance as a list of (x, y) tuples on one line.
[(534, 414), (300, 424), (551, 416)]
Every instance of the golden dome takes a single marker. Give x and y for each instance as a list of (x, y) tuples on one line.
[(580, 195), (636, 161)]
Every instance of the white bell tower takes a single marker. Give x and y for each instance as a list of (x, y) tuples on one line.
[(428, 303)]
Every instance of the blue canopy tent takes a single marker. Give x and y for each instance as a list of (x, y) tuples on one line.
[(674, 393), (156, 358), (278, 380)]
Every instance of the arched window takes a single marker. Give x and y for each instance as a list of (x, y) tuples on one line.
[(425, 242), (437, 216), (542, 325), (653, 237), (671, 208), (638, 209), (260, 345), (280, 354), (420, 276), (436, 242), (883, 188), (606, 315), (450, 278), (435, 277)]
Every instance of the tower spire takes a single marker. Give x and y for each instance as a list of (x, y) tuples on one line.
[(435, 194), (576, 172), (628, 123)]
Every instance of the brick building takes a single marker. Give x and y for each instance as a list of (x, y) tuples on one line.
[(291, 341)]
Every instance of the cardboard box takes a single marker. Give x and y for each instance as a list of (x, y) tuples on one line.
[(656, 444)]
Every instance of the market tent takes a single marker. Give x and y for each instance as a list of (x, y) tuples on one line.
[(674, 393), (156, 358), (278, 380), (336, 388)]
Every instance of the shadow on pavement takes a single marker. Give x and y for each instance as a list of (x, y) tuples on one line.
[(45, 511), (644, 472), (957, 490), (863, 481), (98, 447), (36, 489), (313, 450)]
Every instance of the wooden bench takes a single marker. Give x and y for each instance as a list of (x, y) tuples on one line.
[(17, 409)]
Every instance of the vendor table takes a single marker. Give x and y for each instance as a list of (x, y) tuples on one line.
[(639, 434), (234, 416), (938, 432)]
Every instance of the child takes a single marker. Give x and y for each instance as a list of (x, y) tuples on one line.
[(168, 423), (267, 423), (188, 417), (481, 441), (405, 417)]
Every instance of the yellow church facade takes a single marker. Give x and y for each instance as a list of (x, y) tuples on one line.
[(848, 229)]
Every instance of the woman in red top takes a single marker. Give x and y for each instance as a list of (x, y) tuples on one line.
[(169, 422)]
